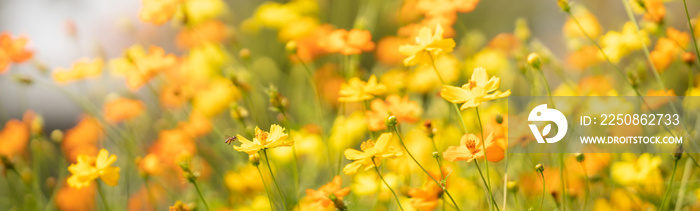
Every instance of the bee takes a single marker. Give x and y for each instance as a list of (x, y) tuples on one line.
[(230, 140)]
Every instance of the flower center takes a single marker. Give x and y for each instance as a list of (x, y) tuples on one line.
[(471, 146), (472, 84)]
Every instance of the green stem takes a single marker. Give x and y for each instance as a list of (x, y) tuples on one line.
[(487, 187), (376, 168), (692, 32), (670, 186), (454, 105), (563, 180), (265, 185), (294, 152), (367, 108), (199, 192), (546, 86), (279, 191), (587, 190), (486, 160), (421, 167), (102, 195), (543, 190)]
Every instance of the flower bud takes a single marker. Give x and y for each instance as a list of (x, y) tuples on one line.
[(291, 47), (436, 154), (499, 119), (391, 121), (339, 204), (534, 60), (679, 152), (512, 186), (254, 159), (564, 5), (580, 157), (244, 54), (57, 135), (539, 168), (23, 79), (688, 58)]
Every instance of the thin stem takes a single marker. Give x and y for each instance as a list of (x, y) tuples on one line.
[(670, 186), (294, 152), (376, 168), (265, 185), (279, 191), (199, 192), (543, 190), (563, 181), (421, 167), (102, 195), (486, 160), (367, 108), (454, 105), (692, 33), (546, 86), (587, 190), (684, 183), (487, 187)]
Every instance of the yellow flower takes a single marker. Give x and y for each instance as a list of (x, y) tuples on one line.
[(263, 140), (215, 97), (371, 153), (358, 90), (427, 45), (588, 22), (90, 168), (636, 172), (619, 44), (83, 68), (479, 89)]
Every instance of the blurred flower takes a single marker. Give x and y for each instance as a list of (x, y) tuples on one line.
[(588, 22), (643, 170), (308, 47), (619, 44), (81, 69), (371, 153), (424, 80), (404, 109), (621, 199), (158, 11), (12, 51), (195, 12), (121, 109), (263, 140), (149, 165), (140, 66), (321, 196), (470, 148), (668, 49), (655, 10), (198, 125), (172, 144), (427, 46), (82, 139), (346, 42), (214, 97), (358, 90), (244, 181), (14, 138), (66, 198), (212, 31), (657, 98), (479, 89), (426, 198), (584, 57), (298, 29), (387, 50), (181, 206), (90, 168), (347, 130)]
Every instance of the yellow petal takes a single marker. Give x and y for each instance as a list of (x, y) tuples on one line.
[(454, 94), (110, 176)]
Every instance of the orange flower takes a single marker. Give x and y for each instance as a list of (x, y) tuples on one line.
[(583, 58), (12, 51), (659, 98), (198, 125), (211, 31), (655, 10), (388, 50), (171, 144), (174, 95), (320, 196), (347, 43), (158, 11), (14, 138), (308, 48), (667, 49), (66, 198), (149, 165), (82, 139), (470, 148), (427, 197), (122, 109), (81, 69), (404, 109), (140, 66)]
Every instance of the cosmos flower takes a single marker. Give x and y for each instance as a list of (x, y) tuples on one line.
[(12, 51), (358, 90), (81, 69), (320, 196), (479, 89), (470, 148), (427, 45), (371, 153), (89, 168), (263, 140)]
